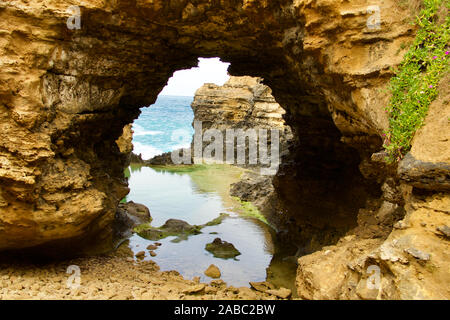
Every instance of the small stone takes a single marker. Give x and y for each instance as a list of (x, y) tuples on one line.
[(282, 293), (213, 272), (152, 253), (130, 259), (152, 247), (158, 244), (140, 255), (222, 249)]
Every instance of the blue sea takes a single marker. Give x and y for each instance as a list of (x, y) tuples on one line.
[(164, 126)]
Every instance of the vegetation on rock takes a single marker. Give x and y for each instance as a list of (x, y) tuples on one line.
[(175, 228), (222, 249), (415, 85), (249, 210)]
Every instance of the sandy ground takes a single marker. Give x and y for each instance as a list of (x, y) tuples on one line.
[(111, 276)]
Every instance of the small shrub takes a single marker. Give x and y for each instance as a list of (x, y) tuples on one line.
[(415, 85)]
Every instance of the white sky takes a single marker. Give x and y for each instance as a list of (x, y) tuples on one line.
[(186, 82)]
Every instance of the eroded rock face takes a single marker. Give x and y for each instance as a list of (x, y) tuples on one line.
[(66, 95), (243, 105), (408, 261)]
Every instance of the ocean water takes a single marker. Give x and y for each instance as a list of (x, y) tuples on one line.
[(164, 126), (197, 194)]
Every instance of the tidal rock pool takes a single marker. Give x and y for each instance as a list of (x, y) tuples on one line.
[(198, 195)]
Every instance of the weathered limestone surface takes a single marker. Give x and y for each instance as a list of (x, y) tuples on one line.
[(242, 103), (66, 95), (413, 256)]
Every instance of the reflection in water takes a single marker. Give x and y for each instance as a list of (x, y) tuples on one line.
[(198, 194)]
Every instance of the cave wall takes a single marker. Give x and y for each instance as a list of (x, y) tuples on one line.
[(66, 95)]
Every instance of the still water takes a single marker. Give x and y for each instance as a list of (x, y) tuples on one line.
[(198, 195)]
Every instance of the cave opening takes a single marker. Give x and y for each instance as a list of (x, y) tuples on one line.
[(67, 95), (191, 205)]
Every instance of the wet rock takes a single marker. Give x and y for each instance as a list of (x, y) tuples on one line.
[(153, 253), (151, 233), (222, 249), (177, 226), (152, 247), (140, 255), (282, 293), (138, 213), (213, 272), (216, 221), (173, 227), (252, 187), (128, 216)]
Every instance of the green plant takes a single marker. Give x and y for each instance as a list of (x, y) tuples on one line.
[(414, 86), (248, 209)]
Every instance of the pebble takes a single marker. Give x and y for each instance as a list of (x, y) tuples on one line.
[(213, 272), (140, 254)]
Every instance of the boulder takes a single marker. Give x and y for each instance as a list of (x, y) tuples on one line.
[(213, 272), (222, 249)]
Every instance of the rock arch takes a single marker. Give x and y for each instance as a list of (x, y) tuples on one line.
[(65, 96)]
